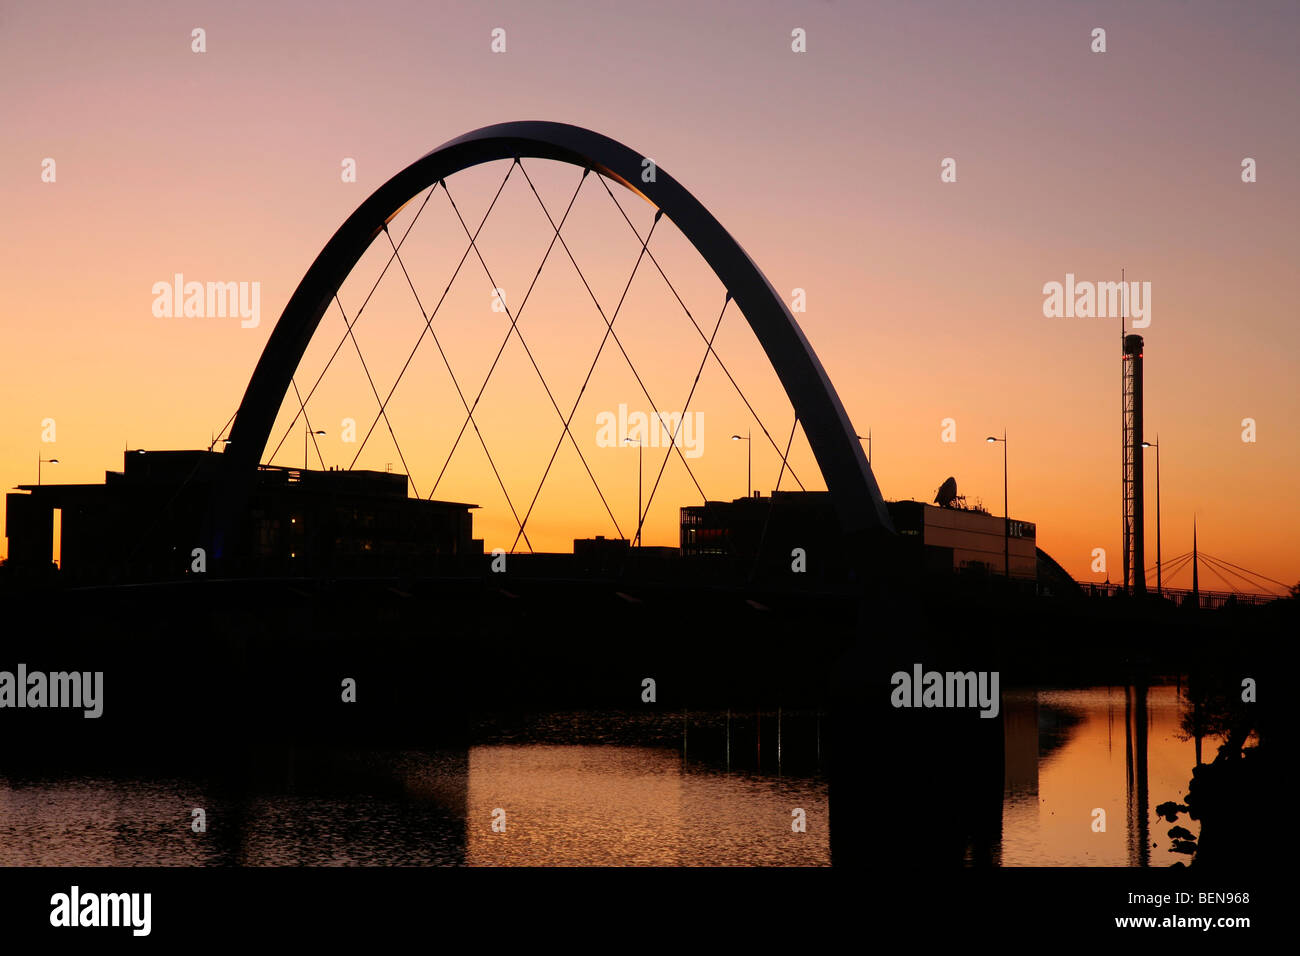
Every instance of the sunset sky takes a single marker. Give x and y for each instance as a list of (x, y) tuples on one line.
[(924, 298)]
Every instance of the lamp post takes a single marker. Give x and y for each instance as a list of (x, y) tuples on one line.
[(43, 461), (1006, 514), (749, 460), (1156, 445), (868, 439), (639, 446), (306, 434)]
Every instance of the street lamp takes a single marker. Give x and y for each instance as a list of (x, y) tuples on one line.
[(749, 460), (1006, 514), (1156, 445), (43, 461), (868, 440), (639, 446), (307, 433)]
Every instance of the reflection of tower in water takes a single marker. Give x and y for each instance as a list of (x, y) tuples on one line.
[(1020, 745), (1135, 774)]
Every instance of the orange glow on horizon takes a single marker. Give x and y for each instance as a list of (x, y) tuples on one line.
[(924, 299)]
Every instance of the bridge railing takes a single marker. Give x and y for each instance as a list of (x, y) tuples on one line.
[(1183, 597)]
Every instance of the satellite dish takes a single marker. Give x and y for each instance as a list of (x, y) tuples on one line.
[(947, 493)]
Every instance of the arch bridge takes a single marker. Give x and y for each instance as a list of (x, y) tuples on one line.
[(839, 455)]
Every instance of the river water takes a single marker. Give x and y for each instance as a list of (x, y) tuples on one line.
[(716, 789), (1070, 753)]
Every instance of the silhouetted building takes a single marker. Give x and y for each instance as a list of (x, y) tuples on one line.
[(767, 532), (600, 554), (144, 522), (769, 537), (964, 540)]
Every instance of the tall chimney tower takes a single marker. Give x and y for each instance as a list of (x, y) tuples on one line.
[(1135, 580)]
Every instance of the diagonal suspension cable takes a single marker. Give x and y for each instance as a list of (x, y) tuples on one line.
[(771, 506), (788, 442), (514, 330), (1254, 573), (519, 335), (763, 428), (361, 310), (609, 325), (1168, 561), (609, 329), (310, 430), (370, 378), (429, 326), (429, 318), (1223, 565), (509, 332), (673, 446), (1226, 570), (221, 433), (1221, 577), (1175, 566), (685, 412)]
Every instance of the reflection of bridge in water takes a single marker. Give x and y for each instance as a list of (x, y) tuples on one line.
[(572, 789)]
